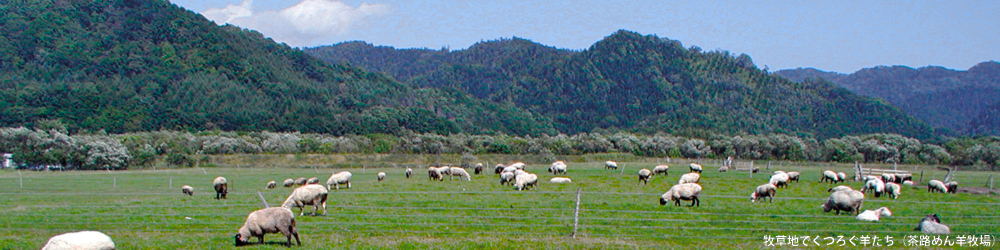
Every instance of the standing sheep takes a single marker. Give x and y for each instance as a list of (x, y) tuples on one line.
[(507, 178), (80, 240), (301, 181), (779, 179), (610, 165), (931, 224), (793, 176), (461, 173), (523, 181), (380, 176), (498, 168), (841, 177), (221, 187), (695, 167), (876, 185), (314, 180), (847, 201), (893, 190), (271, 184), (839, 188), (432, 173), (874, 215), (188, 190), (335, 180), (686, 191), (936, 186), (479, 168), (829, 176), (409, 172), (952, 186), (644, 175), (288, 182), (558, 167), (268, 220), (312, 194), (689, 178), (661, 169), (764, 191)]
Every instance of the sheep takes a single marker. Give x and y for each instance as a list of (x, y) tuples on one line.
[(644, 175), (610, 165), (432, 173), (831, 176), (695, 168), (522, 182), (479, 168), (763, 191), (558, 167), (314, 180), (839, 188), (409, 172), (507, 178), (723, 169), (900, 178), (893, 190), (908, 183), (312, 194), (498, 168), (338, 179), (268, 220), (952, 186), (936, 186), (288, 182), (188, 190), (461, 173), (793, 176), (221, 187), (686, 191), (661, 169), (689, 178), (380, 176), (560, 180), (874, 215), (847, 201), (518, 165), (876, 185), (779, 179), (300, 181), (271, 184), (931, 224), (443, 171), (888, 178), (841, 177), (510, 169), (80, 240)]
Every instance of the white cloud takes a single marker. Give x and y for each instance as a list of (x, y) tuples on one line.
[(310, 22)]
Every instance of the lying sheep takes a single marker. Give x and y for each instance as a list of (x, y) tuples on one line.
[(507, 178), (221, 187), (268, 220), (314, 180), (723, 169), (188, 190), (779, 179), (271, 184), (839, 188), (764, 191), (522, 182), (695, 167), (793, 176), (335, 180), (936, 186), (931, 224), (874, 215), (560, 180), (309, 195), (80, 240), (908, 183), (829, 176), (409, 172), (479, 168), (689, 178), (558, 167), (847, 201), (644, 175), (952, 186), (380, 176), (610, 165), (461, 173), (893, 190), (685, 191), (288, 182), (658, 169), (301, 181)]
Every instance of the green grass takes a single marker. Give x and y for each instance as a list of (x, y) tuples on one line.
[(140, 210)]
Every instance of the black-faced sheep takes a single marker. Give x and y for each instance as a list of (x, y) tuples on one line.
[(409, 172), (952, 186), (188, 190), (644, 175), (221, 187), (268, 220), (829, 176), (335, 180), (498, 168), (686, 191), (695, 167), (931, 224), (610, 165), (876, 185), (301, 181), (558, 167), (380, 176), (664, 169), (764, 191), (507, 178), (893, 190), (80, 240), (271, 184), (841, 177), (309, 195), (479, 168), (793, 176), (689, 178), (314, 180), (288, 182), (936, 186), (847, 201), (432, 173)]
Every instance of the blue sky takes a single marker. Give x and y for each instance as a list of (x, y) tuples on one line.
[(842, 36)]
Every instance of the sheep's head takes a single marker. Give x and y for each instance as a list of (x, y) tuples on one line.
[(663, 201), (240, 240), (753, 197)]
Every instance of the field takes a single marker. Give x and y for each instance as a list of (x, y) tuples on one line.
[(144, 209)]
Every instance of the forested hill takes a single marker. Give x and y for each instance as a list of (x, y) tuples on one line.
[(126, 65), (957, 100), (635, 82)]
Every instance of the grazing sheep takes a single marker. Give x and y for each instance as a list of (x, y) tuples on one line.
[(188, 190), (314, 180), (689, 178), (908, 183), (876, 185), (519, 165), (443, 171), (301, 181), (221, 187), (268, 220), (931, 224), (380, 176), (288, 182), (695, 168), (432, 173), (558, 167), (335, 180), (498, 168), (409, 172), (80, 240), (479, 168), (764, 191), (271, 184), (952, 186), (893, 190), (461, 173), (847, 201), (522, 182), (560, 180), (900, 178), (661, 169), (829, 175), (610, 165), (841, 177), (874, 215), (839, 188), (644, 175), (507, 178), (793, 176), (936, 186), (779, 179), (886, 178), (309, 195), (686, 191)]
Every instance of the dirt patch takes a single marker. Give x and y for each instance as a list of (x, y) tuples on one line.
[(977, 190)]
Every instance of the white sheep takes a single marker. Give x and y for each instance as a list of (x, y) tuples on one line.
[(893, 190), (461, 173), (335, 180), (876, 185), (764, 191), (900, 178), (409, 172), (888, 178), (560, 180), (936, 186), (847, 201), (518, 165), (309, 195), (442, 172), (793, 176), (610, 165), (689, 178), (839, 188), (380, 176), (221, 187), (80, 240), (685, 191), (829, 176), (558, 167), (188, 190), (510, 169), (841, 176), (522, 182), (271, 184), (661, 169), (314, 180), (479, 168), (908, 183), (779, 179), (301, 181), (433, 173), (723, 169), (507, 178), (268, 220), (952, 186), (644, 175), (931, 224), (288, 182), (874, 215), (498, 168), (695, 167)]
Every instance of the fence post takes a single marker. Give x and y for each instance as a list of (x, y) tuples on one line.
[(115, 183), (921, 180), (576, 214), (20, 179), (171, 182), (263, 200)]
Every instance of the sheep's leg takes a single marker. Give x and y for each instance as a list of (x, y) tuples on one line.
[(261, 239)]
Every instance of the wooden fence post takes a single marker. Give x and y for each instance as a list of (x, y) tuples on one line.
[(263, 200), (576, 214)]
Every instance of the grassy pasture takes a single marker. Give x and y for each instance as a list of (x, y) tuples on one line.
[(140, 210)]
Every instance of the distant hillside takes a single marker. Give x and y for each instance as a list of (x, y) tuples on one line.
[(945, 98), (635, 82), (124, 66)]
